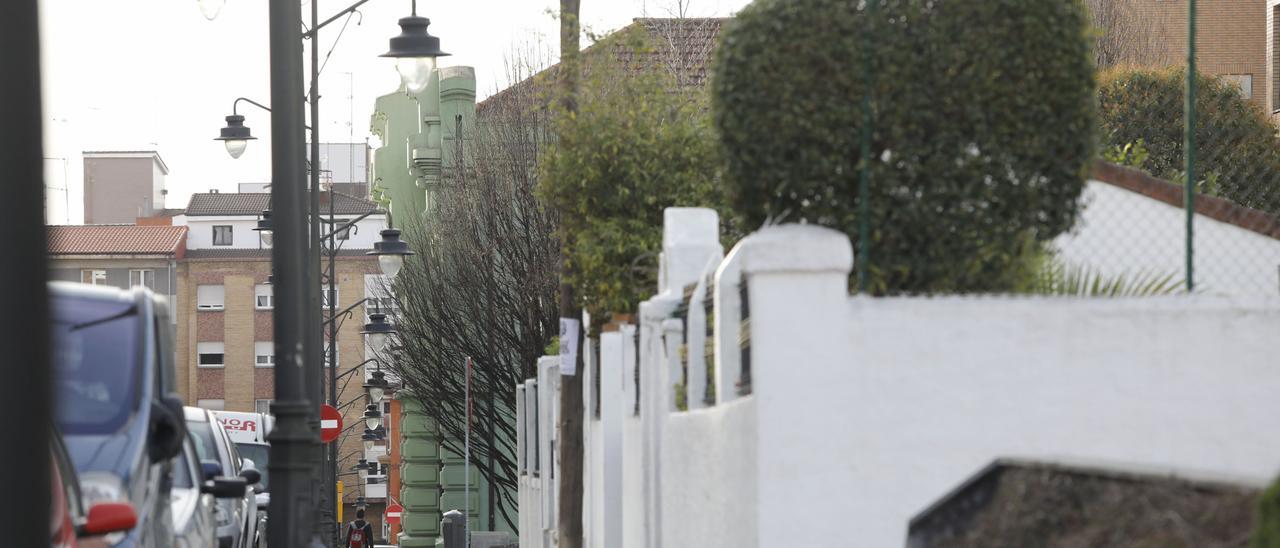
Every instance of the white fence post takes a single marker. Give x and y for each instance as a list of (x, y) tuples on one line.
[(797, 284), (728, 320)]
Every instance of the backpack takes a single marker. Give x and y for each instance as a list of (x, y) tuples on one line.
[(356, 537)]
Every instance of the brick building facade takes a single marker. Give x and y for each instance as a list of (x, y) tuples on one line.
[(1231, 40)]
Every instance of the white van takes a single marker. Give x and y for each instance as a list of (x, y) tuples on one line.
[(249, 432), (246, 427)]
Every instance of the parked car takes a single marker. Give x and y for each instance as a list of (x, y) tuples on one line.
[(70, 524), (249, 432), (236, 519), (120, 421), (193, 520)]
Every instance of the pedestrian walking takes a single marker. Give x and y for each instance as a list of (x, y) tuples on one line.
[(359, 532)]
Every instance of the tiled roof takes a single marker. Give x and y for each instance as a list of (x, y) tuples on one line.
[(682, 47), (252, 203), (115, 240)]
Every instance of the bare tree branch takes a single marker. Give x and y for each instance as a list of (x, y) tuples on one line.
[(483, 284)]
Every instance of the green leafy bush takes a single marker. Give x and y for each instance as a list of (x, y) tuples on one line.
[(1266, 533), (1237, 151), (983, 128), (634, 148)]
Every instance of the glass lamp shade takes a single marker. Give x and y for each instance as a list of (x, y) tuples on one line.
[(266, 237), (372, 422), (375, 394), (235, 147), (210, 8), (368, 445), (415, 72), (390, 264), (377, 342)]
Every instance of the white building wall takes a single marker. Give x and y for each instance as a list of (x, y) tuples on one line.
[(200, 232), (1124, 232)]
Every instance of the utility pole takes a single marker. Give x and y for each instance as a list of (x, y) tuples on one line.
[(570, 427), (24, 336), (294, 443)]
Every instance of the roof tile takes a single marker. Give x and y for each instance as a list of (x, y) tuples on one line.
[(115, 240), (252, 203)]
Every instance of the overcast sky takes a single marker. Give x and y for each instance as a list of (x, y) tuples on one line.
[(156, 75)]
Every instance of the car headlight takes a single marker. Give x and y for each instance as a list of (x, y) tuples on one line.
[(221, 515)]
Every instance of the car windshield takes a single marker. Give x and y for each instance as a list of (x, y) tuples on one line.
[(95, 354), (182, 469), (258, 454), (206, 447)]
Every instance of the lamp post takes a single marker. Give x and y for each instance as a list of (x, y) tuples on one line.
[(296, 258)]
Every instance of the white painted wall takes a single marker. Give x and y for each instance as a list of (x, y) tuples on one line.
[(865, 411), (200, 231), (1122, 231)]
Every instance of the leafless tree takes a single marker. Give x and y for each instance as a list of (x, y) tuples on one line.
[(483, 284), (1131, 32)]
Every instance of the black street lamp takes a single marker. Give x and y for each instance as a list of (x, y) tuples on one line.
[(415, 51), (236, 136), (296, 260), (390, 252), (210, 8), (264, 227), (378, 331), (377, 385), (370, 438), (372, 417)]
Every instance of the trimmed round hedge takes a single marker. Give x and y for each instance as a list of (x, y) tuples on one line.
[(982, 132)]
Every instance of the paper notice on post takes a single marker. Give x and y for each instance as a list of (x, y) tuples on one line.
[(569, 328)]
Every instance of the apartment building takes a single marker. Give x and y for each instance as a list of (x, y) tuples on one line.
[(1233, 40), (120, 256), (225, 328), (121, 186)]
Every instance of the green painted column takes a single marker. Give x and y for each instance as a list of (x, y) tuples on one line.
[(419, 474)]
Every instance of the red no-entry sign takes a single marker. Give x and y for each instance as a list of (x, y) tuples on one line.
[(330, 423), (393, 514)]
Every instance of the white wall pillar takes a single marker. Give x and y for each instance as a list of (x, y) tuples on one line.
[(797, 280)]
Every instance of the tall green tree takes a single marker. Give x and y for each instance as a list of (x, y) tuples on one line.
[(635, 147)]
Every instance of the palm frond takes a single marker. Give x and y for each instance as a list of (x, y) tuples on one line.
[(1057, 277)]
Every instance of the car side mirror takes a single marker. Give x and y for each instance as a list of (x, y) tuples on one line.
[(225, 488), (210, 469), (108, 517), (251, 476), (168, 428)]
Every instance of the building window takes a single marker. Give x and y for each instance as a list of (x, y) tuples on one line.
[(337, 355), (327, 296), (377, 288), (93, 277), (1243, 82), (221, 234), (212, 405), (262, 406), (145, 278), (264, 354), (263, 297), (210, 297), (212, 354)]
